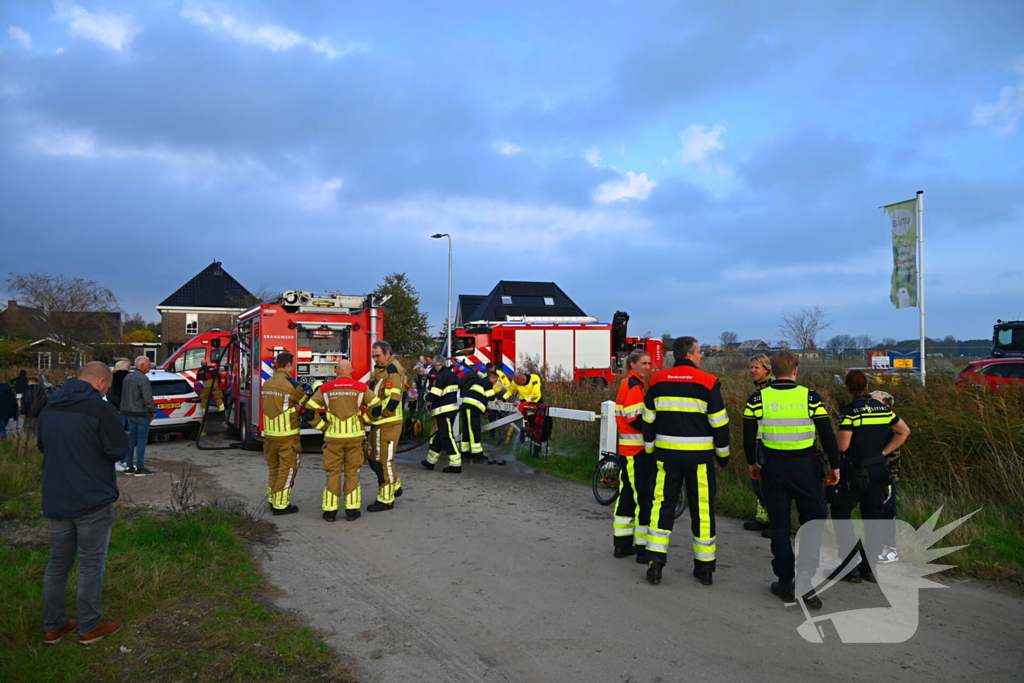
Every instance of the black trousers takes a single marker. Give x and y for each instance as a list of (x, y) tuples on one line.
[(636, 495), (470, 438), (872, 506), (443, 440), (783, 483), (670, 476)]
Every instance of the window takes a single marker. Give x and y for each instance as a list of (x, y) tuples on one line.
[(151, 355), (507, 300), (172, 387), (191, 323), (43, 360), (548, 301), (1000, 369)]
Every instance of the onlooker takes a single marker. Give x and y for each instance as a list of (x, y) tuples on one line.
[(33, 400), (761, 373), (121, 369), (20, 383), (138, 406), (81, 439), (8, 407)]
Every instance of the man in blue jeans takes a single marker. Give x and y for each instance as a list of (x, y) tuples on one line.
[(81, 438), (138, 407)]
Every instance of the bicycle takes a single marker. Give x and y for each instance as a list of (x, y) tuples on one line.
[(606, 483)]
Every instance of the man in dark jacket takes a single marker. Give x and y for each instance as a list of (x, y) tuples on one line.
[(20, 383), (8, 408), (33, 400), (81, 438)]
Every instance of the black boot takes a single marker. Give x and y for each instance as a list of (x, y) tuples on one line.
[(853, 576), (767, 533), (811, 599), (377, 506), (654, 572), (352, 515), (784, 589), (331, 515), (641, 554), (624, 551), (755, 525), (429, 465), (451, 469), (285, 511), (704, 576)]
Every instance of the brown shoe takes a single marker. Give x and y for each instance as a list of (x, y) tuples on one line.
[(102, 630), (53, 637)]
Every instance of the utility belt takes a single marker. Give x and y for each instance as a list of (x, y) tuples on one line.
[(855, 477), (816, 458)]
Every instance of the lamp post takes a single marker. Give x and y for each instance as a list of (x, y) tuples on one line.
[(448, 342)]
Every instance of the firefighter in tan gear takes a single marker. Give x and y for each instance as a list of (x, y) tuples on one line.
[(344, 400), (387, 382), (282, 401)]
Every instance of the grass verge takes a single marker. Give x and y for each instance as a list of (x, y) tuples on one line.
[(194, 604)]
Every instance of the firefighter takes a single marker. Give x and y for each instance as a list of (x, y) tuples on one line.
[(761, 373), (499, 387), (865, 442), (784, 417), (209, 375), (633, 507), (282, 401), (476, 391), (387, 382), (443, 402), (686, 428), (527, 386), (344, 400)]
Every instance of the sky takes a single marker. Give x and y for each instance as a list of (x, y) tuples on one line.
[(703, 166)]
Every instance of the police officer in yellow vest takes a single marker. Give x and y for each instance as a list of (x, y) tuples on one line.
[(387, 382), (282, 401), (787, 415), (343, 400)]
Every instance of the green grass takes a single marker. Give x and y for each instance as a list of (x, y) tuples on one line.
[(194, 604)]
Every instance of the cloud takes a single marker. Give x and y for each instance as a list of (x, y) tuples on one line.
[(698, 142), (20, 35), (505, 147), (593, 156), (629, 186), (116, 31), (319, 194), (1003, 114), (271, 36)]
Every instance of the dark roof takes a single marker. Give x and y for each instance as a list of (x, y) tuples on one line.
[(467, 305), (526, 298), (212, 288)]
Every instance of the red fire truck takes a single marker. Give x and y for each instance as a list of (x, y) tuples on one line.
[(187, 360), (577, 347), (319, 329)]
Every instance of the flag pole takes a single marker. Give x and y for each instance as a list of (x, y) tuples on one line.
[(920, 275)]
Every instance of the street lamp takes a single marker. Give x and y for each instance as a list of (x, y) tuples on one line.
[(449, 340)]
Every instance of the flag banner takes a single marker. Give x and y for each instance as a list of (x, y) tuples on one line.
[(903, 218)]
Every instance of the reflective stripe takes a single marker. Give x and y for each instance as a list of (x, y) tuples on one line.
[(648, 414), (684, 439), (704, 550), (687, 405), (631, 439), (329, 501), (787, 422), (718, 419), (704, 503), (622, 526), (792, 436), (445, 409), (473, 402), (354, 500), (657, 540), (722, 452), (629, 412)]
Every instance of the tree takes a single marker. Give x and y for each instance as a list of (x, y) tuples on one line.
[(134, 322), (405, 325), (840, 343), (728, 338), (889, 342), (667, 338), (804, 326), (864, 341), (72, 309), (140, 335)]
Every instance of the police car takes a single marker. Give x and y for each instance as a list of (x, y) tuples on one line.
[(177, 405)]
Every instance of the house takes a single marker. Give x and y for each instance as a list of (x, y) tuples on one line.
[(753, 346), (512, 299), (60, 339), (211, 299)]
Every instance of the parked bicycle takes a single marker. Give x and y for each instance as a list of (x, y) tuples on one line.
[(606, 482)]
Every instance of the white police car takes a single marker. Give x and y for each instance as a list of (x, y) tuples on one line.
[(177, 405)]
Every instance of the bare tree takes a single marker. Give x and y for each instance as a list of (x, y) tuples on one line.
[(71, 310), (728, 338), (840, 344), (864, 341), (804, 326)]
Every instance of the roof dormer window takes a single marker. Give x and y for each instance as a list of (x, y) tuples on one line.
[(507, 300), (548, 301)]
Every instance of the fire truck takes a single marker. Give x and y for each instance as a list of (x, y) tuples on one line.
[(319, 329), (573, 347), (187, 360)]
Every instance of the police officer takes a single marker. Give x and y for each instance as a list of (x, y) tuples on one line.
[(443, 402), (527, 386), (633, 506), (761, 373), (686, 429), (865, 442), (343, 400), (282, 401), (209, 375), (387, 382), (475, 391), (786, 415)]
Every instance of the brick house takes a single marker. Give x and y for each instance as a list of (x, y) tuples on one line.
[(211, 299)]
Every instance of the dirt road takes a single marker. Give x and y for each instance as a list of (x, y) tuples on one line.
[(506, 574)]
